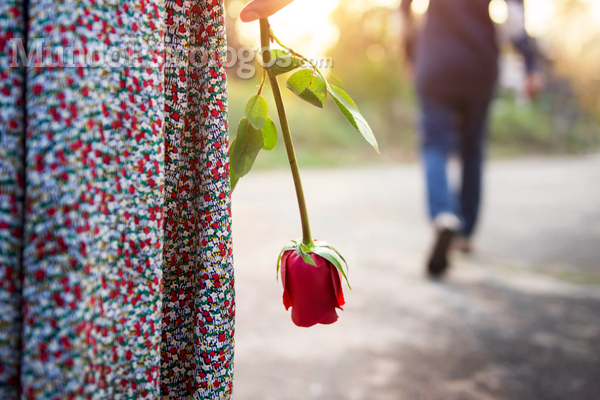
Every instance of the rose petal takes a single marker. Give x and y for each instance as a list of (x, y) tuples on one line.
[(311, 291), (287, 301), (337, 286), (330, 318)]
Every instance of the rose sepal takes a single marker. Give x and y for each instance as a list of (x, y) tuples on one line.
[(320, 248)]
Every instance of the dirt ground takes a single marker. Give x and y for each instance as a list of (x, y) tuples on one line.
[(517, 320)]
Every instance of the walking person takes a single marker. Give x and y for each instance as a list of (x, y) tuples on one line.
[(456, 68)]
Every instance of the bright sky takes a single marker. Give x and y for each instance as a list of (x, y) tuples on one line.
[(312, 32), (297, 25)]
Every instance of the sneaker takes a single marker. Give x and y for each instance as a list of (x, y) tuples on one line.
[(446, 225)]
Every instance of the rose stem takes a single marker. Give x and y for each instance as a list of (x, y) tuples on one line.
[(265, 43)]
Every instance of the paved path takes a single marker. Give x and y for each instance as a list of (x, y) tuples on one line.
[(520, 320)]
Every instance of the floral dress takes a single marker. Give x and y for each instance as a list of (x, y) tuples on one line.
[(116, 272)]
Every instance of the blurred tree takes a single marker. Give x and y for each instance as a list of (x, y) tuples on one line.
[(368, 60), (574, 43)]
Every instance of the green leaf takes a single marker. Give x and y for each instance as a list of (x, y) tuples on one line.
[(281, 62), (309, 86), (269, 132), (333, 257), (305, 256), (233, 179), (278, 53), (332, 79), (305, 247), (289, 246), (257, 111), (343, 259), (350, 111), (297, 247), (245, 148), (322, 243)]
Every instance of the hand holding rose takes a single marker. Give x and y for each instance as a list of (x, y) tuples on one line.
[(257, 9)]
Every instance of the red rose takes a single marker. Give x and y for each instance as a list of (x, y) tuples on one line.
[(313, 291)]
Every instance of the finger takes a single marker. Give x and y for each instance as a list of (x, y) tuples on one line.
[(257, 9)]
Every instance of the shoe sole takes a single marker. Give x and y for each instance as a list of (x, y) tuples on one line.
[(438, 261)]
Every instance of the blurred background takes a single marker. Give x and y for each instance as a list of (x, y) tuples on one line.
[(519, 318), (362, 39)]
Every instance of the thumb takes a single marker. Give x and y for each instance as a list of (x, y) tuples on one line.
[(257, 9)]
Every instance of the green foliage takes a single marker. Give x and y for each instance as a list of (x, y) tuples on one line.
[(269, 132), (282, 62), (303, 252), (328, 141), (257, 111), (550, 125), (518, 126), (245, 148), (233, 178), (312, 87), (350, 111), (333, 256), (257, 131), (309, 85), (335, 81), (278, 53), (384, 92)]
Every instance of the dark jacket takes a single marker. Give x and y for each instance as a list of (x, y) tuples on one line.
[(457, 50)]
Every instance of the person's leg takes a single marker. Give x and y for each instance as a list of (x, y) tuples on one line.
[(438, 139), (472, 152), (438, 130)]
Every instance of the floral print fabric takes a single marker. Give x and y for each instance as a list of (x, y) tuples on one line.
[(116, 277)]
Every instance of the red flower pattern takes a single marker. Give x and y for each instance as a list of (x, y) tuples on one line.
[(110, 300)]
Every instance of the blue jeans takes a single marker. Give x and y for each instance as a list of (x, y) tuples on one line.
[(454, 124)]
